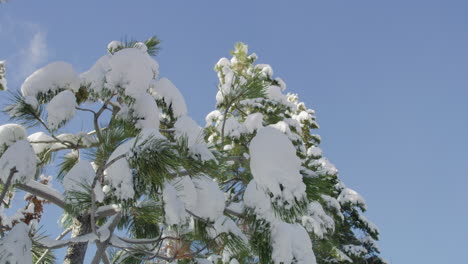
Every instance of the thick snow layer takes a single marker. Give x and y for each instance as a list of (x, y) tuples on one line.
[(317, 221), (314, 152), (60, 109), (115, 44), (265, 69), (95, 77), (16, 246), (146, 111), (291, 241), (325, 167), (256, 198), (348, 195), (333, 203), (186, 127), (119, 175), (133, 70), (225, 224), (275, 166), (211, 117), (186, 191), (81, 175), (274, 93), (253, 122), (40, 137), (232, 128), (202, 152), (210, 199), (9, 134), (281, 83), (51, 78), (165, 89), (130, 69), (20, 155), (174, 208)]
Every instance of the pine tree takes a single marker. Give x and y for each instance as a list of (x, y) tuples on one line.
[(147, 184)]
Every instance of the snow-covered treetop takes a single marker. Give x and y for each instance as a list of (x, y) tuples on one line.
[(252, 186)]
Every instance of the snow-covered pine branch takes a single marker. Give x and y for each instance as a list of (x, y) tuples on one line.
[(252, 186)]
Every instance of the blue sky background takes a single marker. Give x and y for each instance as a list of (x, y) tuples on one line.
[(388, 80)]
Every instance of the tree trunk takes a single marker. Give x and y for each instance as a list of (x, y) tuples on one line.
[(77, 251)]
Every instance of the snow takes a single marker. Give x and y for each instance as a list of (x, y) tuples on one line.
[(265, 69), (131, 69), (9, 134), (174, 207), (342, 256), (232, 128), (314, 152), (350, 196), (281, 83), (225, 224), (99, 193), (317, 221), (210, 200), (291, 241), (236, 207), (82, 174), (186, 191), (119, 175), (325, 167), (203, 261), (146, 111), (274, 93), (333, 203), (60, 109), (165, 89), (20, 155), (372, 227), (95, 77), (370, 241), (275, 166), (32, 101), (213, 116), (16, 246), (253, 122), (52, 78), (141, 46), (115, 44), (257, 199), (186, 127), (202, 152), (355, 250), (3, 81)]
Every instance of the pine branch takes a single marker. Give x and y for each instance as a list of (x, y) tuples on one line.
[(101, 246), (7, 184)]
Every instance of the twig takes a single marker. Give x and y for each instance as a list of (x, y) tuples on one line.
[(7, 184), (62, 235)]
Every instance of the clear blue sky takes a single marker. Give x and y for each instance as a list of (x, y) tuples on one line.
[(388, 80)]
